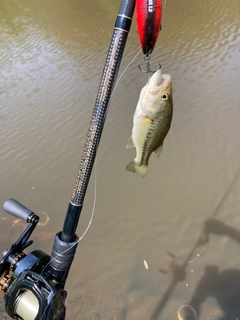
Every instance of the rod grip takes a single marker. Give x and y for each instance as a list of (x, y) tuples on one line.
[(17, 210)]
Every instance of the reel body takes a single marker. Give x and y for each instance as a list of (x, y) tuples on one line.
[(31, 288)]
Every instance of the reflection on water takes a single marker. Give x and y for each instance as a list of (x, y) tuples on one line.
[(52, 56)]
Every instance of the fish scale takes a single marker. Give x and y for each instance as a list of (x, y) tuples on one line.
[(146, 143)]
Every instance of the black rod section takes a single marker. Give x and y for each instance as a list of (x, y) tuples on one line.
[(110, 71)]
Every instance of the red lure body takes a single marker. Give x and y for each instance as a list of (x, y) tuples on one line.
[(148, 17)]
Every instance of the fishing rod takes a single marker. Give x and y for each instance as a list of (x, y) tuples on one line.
[(33, 284)]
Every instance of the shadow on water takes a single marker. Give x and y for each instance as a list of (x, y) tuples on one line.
[(224, 286), (178, 275)]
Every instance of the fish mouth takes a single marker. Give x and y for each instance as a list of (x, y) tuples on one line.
[(159, 81)]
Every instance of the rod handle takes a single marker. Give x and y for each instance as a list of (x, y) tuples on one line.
[(17, 210)]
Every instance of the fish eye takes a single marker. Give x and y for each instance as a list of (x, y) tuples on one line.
[(164, 96)]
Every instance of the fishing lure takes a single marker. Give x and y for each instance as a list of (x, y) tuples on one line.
[(148, 18)]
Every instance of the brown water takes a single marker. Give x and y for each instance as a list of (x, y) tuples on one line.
[(52, 56)]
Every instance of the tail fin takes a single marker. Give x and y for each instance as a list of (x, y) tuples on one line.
[(140, 170)]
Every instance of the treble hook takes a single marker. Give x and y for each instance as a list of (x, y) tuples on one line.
[(147, 60)]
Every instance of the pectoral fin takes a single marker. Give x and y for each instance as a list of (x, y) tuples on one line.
[(130, 143), (159, 150)]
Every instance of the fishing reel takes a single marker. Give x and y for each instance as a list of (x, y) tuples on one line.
[(33, 288)]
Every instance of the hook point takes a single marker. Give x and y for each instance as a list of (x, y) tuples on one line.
[(147, 58)]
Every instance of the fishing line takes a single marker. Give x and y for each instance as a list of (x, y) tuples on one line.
[(90, 221), (119, 78), (95, 190), (203, 234), (164, 6), (95, 174), (94, 204), (95, 171), (91, 218)]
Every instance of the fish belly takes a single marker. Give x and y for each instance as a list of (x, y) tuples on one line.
[(142, 136), (148, 136)]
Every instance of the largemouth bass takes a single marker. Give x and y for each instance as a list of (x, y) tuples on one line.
[(151, 121)]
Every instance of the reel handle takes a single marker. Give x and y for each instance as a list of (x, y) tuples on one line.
[(18, 210)]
